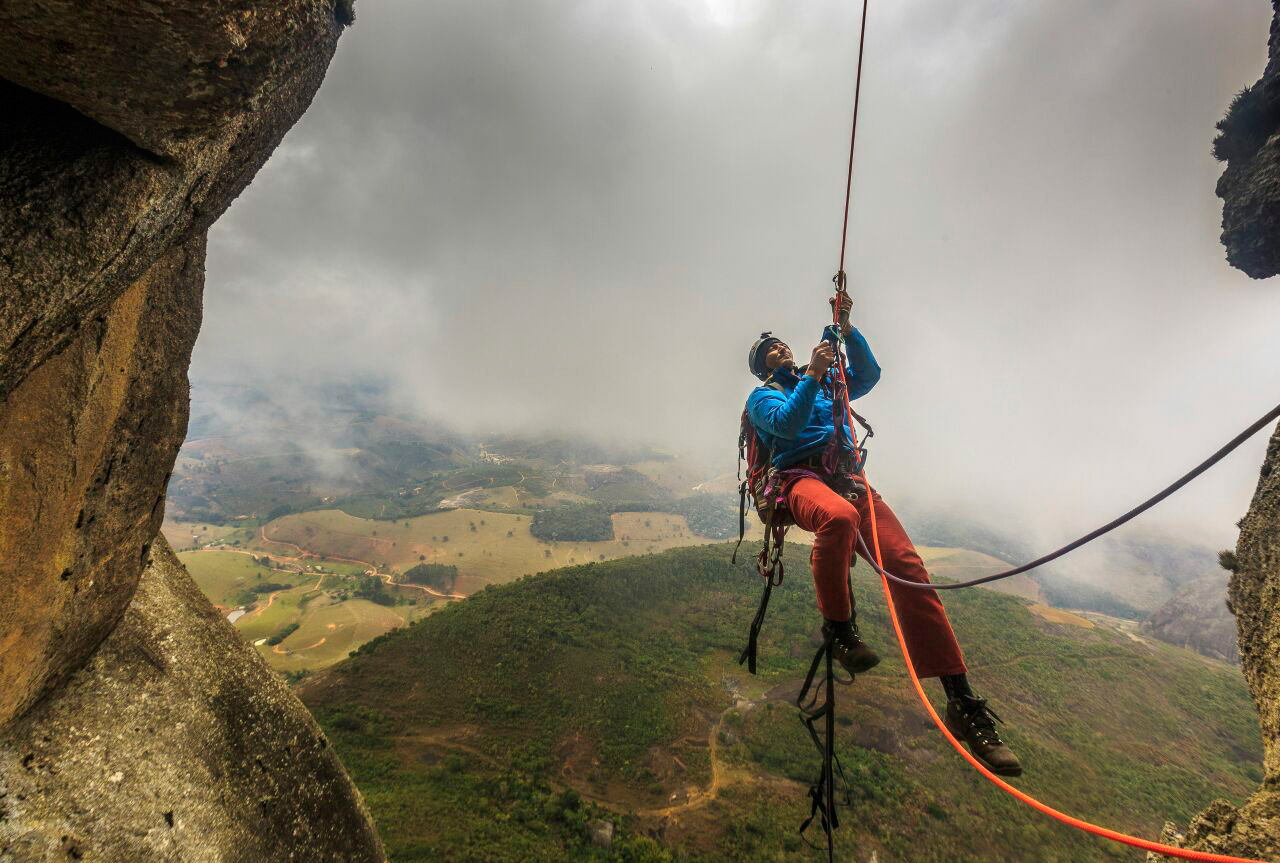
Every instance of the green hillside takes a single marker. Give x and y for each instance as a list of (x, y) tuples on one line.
[(498, 728)]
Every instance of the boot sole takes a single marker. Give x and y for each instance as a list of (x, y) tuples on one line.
[(999, 771), (864, 668)]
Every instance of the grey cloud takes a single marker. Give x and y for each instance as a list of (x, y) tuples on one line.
[(576, 215)]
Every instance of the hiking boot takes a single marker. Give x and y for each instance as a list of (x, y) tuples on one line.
[(971, 721), (848, 649)]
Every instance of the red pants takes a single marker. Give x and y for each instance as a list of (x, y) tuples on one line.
[(836, 523)]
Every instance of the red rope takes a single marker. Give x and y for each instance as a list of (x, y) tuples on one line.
[(1069, 820)]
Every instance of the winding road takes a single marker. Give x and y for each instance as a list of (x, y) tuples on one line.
[(370, 568)]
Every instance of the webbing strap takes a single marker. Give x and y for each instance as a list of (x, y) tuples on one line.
[(822, 793), (742, 519), (749, 652), (770, 567)]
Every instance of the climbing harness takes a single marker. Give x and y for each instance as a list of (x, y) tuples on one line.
[(822, 793)]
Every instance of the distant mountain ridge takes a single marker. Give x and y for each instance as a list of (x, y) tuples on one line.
[(1197, 617), (1129, 573), (344, 447)]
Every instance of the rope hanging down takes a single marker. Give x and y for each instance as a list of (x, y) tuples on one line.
[(878, 558)]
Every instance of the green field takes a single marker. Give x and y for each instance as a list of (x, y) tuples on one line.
[(279, 610), (496, 728), (494, 548), (499, 549)]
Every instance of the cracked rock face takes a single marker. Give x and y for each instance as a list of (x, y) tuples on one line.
[(175, 743), (126, 131), (1253, 830)]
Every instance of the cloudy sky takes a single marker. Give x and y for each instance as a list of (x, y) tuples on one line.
[(577, 214)]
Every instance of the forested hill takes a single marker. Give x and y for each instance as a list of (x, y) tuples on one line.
[(507, 727)]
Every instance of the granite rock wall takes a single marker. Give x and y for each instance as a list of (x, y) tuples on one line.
[(134, 724)]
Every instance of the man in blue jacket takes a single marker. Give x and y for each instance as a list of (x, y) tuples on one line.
[(796, 420)]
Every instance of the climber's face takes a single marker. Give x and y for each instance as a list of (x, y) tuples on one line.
[(779, 357)]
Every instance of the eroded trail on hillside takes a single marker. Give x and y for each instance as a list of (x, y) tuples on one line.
[(455, 737), (701, 797)]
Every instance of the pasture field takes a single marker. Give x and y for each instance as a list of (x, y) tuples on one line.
[(495, 548), (224, 575), (487, 547), (962, 564), (328, 626), (674, 475), (277, 610), (329, 630), (195, 534), (331, 621), (502, 497)]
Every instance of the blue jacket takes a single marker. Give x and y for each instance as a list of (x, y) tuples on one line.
[(797, 423)]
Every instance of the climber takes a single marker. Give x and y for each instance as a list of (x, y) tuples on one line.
[(813, 471)]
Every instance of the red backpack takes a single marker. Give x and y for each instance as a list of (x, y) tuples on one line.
[(773, 513)]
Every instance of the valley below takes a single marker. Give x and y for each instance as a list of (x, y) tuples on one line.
[(611, 692), (519, 646)]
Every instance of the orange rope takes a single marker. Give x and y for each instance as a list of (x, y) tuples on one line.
[(1069, 820)]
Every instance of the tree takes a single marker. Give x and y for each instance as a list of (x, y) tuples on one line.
[(589, 523), (438, 575)]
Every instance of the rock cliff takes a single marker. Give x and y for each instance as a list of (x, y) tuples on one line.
[(1250, 185), (1250, 192), (128, 129), (1253, 829), (175, 742)]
